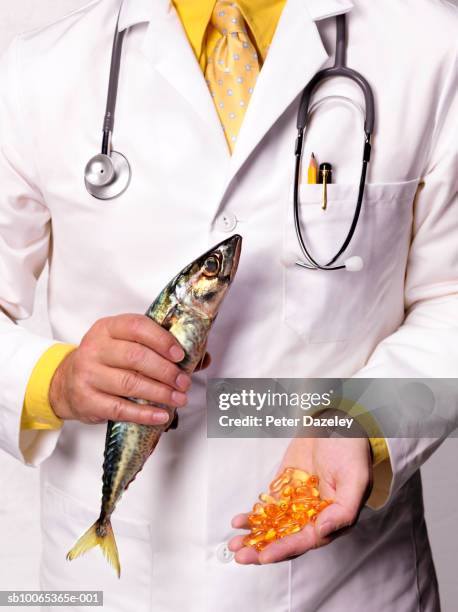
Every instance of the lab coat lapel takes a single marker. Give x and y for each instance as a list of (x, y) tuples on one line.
[(295, 55), (170, 53)]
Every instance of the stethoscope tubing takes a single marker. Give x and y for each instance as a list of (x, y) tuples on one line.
[(108, 173), (338, 70)]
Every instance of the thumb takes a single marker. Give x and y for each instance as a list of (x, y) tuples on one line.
[(349, 498)]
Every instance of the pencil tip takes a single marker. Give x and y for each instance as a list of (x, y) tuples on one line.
[(313, 156)]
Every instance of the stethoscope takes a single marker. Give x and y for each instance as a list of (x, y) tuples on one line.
[(107, 175), (355, 263)]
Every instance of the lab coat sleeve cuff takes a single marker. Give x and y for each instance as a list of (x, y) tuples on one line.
[(37, 412), (31, 447)]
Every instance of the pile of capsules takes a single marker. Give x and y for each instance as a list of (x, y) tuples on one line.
[(292, 502)]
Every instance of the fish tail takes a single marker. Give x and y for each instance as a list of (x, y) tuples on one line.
[(99, 534)]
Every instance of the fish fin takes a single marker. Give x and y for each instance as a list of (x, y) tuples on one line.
[(99, 534)]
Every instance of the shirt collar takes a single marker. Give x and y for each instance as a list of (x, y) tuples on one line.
[(133, 12), (197, 14)]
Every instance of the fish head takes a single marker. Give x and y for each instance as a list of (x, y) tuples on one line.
[(203, 285)]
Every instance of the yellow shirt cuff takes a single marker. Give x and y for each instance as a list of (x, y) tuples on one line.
[(379, 450), (36, 411)]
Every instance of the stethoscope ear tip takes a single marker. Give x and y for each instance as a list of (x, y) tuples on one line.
[(354, 264)]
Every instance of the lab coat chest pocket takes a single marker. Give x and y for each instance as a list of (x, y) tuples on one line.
[(333, 306), (64, 520)]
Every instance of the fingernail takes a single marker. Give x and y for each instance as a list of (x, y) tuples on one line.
[(179, 398), (325, 529), (183, 381), (176, 353), (160, 418)]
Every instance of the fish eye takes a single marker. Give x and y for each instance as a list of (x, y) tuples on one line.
[(211, 266)]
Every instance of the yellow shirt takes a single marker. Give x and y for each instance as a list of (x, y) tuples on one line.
[(261, 17)]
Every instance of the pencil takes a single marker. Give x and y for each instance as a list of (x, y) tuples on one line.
[(312, 171)]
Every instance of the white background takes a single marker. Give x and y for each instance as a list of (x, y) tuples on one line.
[(19, 506)]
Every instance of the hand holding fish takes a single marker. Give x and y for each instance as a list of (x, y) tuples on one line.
[(123, 356), (344, 469), (137, 358)]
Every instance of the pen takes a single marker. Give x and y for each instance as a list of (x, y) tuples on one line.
[(312, 171), (325, 177)]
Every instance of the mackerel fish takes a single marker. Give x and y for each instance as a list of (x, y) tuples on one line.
[(186, 307)]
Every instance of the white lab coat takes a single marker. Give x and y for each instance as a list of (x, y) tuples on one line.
[(395, 318)]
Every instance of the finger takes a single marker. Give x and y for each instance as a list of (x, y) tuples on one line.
[(236, 543), (134, 356), (141, 329), (289, 546), (111, 408), (247, 556), (349, 498), (125, 383), (240, 521)]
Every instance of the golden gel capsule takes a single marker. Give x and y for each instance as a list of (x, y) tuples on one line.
[(279, 482), (300, 475), (259, 509), (292, 502), (287, 491), (267, 499)]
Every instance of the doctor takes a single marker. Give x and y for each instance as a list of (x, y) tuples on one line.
[(200, 173)]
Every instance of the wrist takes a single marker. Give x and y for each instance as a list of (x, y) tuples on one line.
[(57, 390)]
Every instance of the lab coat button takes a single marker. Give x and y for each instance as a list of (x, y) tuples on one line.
[(223, 554), (226, 222)]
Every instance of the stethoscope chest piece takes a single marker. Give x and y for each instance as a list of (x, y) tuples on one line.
[(107, 176)]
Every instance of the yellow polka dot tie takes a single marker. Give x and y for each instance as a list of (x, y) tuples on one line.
[(232, 68)]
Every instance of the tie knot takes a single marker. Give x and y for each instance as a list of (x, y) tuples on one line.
[(227, 18)]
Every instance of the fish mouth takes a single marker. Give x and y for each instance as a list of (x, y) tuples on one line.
[(235, 244)]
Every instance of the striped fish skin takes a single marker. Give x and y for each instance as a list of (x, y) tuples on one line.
[(186, 307)]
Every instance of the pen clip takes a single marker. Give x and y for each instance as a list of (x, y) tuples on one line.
[(325, 189)]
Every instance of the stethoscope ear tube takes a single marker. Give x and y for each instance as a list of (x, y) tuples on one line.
[(339, 69)]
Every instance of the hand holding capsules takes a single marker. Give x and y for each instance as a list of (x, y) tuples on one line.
[(344, 469), (122, 356)]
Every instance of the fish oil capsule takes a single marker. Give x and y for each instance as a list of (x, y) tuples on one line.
[(302, 491), (281, 521), (289, 530), (256, 520), (253, 538), (279, 482), (301, 475), (287, 491), (270, 535), (308, 501), (267, 499), (286, 509)]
